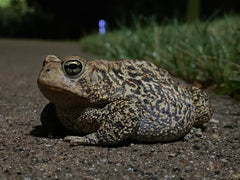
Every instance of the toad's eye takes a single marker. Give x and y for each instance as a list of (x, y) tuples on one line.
[(73, 67)]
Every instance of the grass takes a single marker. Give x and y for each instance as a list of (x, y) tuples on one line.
[(204, 53)]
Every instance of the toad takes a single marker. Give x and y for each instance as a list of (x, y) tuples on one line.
[(110, 102)]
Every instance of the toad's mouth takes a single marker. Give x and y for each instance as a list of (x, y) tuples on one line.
[(67, 99), (56, 89), (61, 97)]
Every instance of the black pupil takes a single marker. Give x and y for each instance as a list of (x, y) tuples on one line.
[(73, 67)]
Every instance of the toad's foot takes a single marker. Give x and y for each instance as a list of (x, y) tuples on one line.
[(90, 139), (193, 132)]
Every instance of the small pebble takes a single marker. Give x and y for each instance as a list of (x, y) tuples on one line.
[(103, 160), (130, 169), (224, 160), (27, 178), (214, 121), (118, 164), (172, 155), (188, 168), (215, 136)]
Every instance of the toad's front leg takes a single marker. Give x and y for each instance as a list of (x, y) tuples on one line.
[(119, 120)]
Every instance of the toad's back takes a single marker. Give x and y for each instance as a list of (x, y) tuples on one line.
[(168, 109)]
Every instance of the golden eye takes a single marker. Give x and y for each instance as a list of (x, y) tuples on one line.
[(73, 67)]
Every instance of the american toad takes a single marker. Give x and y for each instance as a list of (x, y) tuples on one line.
[(109, 102)]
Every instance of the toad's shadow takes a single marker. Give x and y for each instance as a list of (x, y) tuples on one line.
[(51, 126), (40, 131)]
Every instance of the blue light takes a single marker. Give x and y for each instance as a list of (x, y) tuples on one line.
[(102, 28), (102, 23)]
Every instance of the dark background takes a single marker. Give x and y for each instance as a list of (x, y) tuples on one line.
[(55, 19)]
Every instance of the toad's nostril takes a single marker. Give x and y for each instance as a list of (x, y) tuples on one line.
[(47, 70)]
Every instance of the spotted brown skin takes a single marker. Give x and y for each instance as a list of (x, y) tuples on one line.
[(108, 102)]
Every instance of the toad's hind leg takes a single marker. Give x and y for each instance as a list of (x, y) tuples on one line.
[(203, 110), (120, 120)]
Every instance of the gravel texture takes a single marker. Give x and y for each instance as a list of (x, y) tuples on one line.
[(211, 154)]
